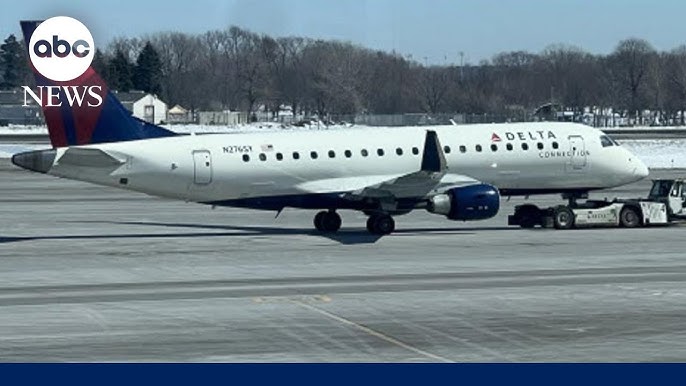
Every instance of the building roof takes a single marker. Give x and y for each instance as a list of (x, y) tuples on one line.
[(177, 110)]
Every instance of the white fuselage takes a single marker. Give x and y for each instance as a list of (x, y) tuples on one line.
[(530, 158)]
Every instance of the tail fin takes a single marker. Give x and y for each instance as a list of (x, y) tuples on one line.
[(80, 125)]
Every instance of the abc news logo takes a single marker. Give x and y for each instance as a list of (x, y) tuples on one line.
[(62, 49)]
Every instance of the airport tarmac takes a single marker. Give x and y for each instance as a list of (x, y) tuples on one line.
[(89, 273)]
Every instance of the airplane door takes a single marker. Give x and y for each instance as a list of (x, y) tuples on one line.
[(202, 167), (577, 150)]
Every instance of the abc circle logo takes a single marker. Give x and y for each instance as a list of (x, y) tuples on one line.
[(61, 48)]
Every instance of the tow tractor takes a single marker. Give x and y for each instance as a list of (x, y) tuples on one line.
[(665, 204)]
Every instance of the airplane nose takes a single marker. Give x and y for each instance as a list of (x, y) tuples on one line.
[(641, 169)]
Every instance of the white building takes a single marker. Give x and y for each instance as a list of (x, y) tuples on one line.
[(147, 107), (226, 117)]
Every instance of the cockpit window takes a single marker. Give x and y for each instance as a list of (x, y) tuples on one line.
[(606, 141)]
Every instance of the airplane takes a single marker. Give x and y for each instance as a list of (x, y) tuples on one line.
[(457, 171)]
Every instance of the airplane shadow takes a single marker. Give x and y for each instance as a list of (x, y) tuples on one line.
[(345, 237)]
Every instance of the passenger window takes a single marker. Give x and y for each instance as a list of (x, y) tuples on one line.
[(415, 151), (478, 148), (348, 154), (296, 155), (446, 149), (463, 149), (246, 158), (555, 145), (525, 146), (540, 146), (263, 157), (380, 152), (494, 147), (279, 156), (332, 154), (364, 152), (313, 154), (399, 151), (509, 146)]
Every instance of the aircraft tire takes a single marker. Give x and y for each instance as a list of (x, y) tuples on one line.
[(318, 221), (382, 224), (370, 223), (328, 222), (331, 221)]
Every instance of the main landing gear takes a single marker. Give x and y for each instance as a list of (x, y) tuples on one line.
[(380, 224), (377, 223), (327, 221)]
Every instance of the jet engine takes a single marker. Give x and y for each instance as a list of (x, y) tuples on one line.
[(474, 202)]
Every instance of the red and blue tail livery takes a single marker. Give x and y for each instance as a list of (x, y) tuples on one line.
[(83, 110)]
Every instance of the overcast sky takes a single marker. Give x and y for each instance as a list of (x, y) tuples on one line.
[(432, 30)]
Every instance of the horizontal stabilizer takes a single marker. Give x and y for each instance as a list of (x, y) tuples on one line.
[(88, 157)]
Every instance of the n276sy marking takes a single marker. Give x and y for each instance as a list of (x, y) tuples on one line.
[(237, 149)]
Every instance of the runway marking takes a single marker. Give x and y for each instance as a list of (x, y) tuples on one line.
[(497, 356), (371, 331)]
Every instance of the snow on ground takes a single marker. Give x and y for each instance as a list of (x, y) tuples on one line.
[(259, 126), (7, 150), (659, 153), (190, 128), (23, 130)]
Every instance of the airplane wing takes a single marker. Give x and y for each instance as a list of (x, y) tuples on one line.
[(416, 184), (432, 178)]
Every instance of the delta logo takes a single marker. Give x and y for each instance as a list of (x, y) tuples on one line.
[(524, 136), (61, 49)]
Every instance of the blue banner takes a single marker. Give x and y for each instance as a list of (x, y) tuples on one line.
[(343, 374)]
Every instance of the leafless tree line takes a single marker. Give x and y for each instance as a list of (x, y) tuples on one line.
[(240, 70)]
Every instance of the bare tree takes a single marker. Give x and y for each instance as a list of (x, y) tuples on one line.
[(240, 70), (630, 66), (674, 78), (434, 85)]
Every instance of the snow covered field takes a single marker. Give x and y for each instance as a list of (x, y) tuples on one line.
[(659, 153), (656, 153), (189, 128)]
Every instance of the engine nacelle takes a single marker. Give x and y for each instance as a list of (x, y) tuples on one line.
[(474, 202)]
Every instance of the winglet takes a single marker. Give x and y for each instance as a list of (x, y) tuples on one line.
[(433, 159)]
